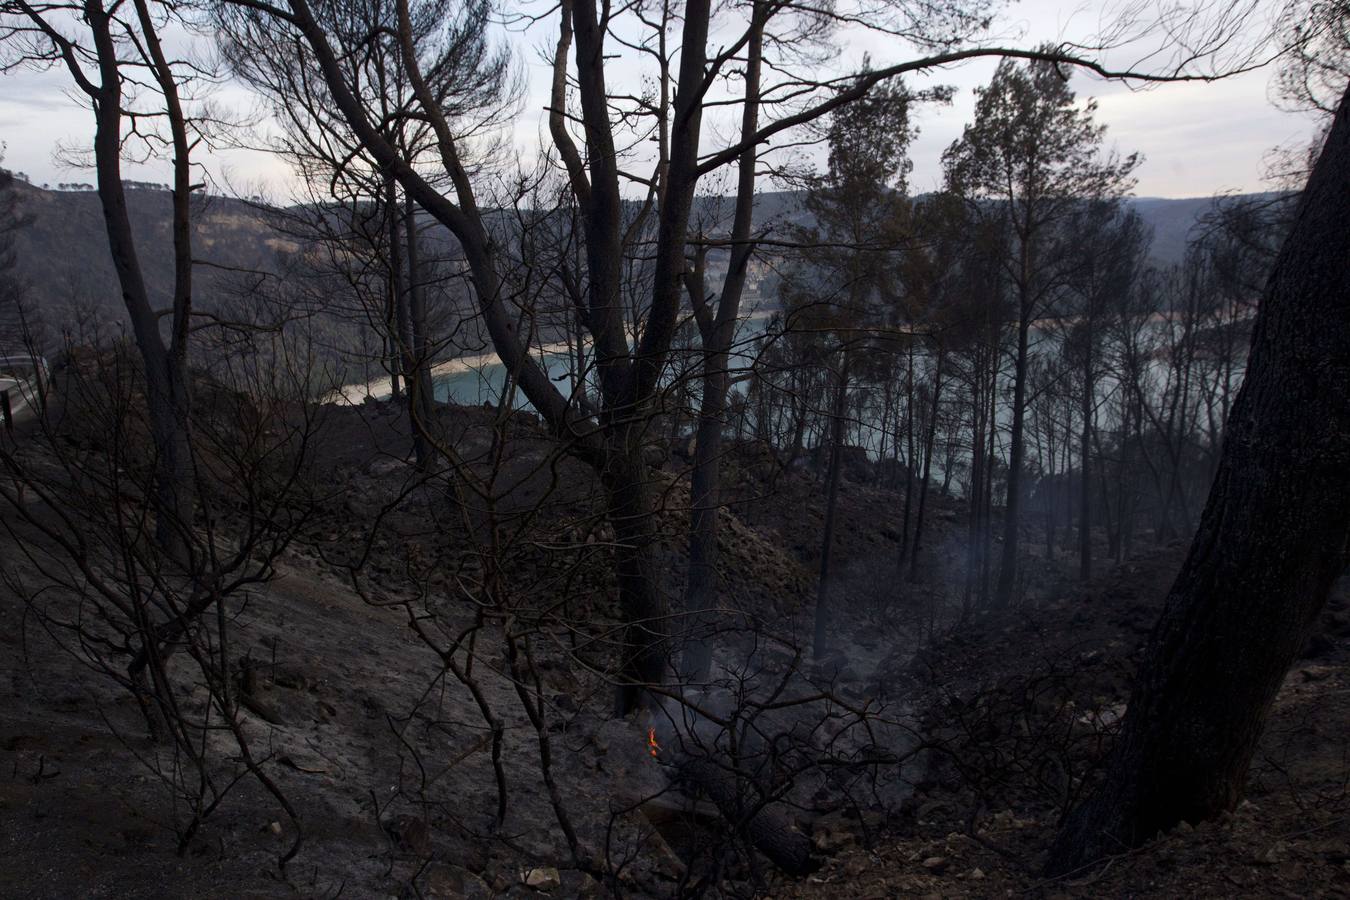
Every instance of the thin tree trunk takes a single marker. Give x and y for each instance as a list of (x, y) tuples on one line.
[(929, 439), (1049, 485), (166, 380), (909, 454), (831, 502), (1084, 465), (798, 407), (421, 390), (397, 325), (977, 464), (990, 437), (1007, 573)]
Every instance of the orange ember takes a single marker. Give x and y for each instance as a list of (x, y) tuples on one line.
[(652, 746)]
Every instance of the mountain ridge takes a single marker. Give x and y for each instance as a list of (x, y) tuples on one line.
[(63, 256)]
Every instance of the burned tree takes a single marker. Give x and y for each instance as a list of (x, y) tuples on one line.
[(1107, 244), (119, 63), (1027, 161), (1274, 536), (861, 213), (595, 127)]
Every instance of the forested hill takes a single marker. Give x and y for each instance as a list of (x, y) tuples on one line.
[(63, 255), (1170, 219)]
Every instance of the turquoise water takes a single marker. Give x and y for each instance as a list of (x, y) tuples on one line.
[(484, 383)]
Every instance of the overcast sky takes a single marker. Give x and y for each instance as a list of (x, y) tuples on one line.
[(1197, 139)]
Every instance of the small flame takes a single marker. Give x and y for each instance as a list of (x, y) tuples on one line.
[(652, 746)]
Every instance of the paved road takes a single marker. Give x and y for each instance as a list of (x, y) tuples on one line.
[(22, 398)]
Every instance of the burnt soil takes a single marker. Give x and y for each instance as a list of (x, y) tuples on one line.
[(1018, 708)]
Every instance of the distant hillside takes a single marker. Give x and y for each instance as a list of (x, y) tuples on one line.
[(64, 255), (1170, 219), (64, 258)]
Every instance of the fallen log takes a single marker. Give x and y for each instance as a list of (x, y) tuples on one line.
[(763, 820)]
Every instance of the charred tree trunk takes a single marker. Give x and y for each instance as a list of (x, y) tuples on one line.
[(930, 437), (977, 464), (909, 457), (1012, 519), (396, 314), (798, 408), (718, 332), (701, 589), (631, 512), (421, 399), (166, 378), (764, 820), (990, 438), (831, 502), (1049, 486), (1084, 464), (1273, 538)]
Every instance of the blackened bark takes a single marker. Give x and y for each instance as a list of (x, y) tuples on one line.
[(421, 399), (929, 438), (831, 503), (799, 410), (991, 438), (1274, 536), (640, 595), (909, 457), (166, 383), (1012, 520), (700, 596), (630, 510), (396, 323), (1048, 489), (976, 545), (1085, 464)]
